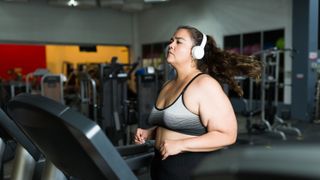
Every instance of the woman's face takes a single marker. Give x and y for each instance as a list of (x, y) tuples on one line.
[(180, 48)]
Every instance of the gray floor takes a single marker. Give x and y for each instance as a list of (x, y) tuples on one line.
[(310, 133)]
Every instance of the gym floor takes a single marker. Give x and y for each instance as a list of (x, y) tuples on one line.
[(310, 134)]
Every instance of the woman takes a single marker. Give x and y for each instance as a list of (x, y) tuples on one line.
[(192, 115)]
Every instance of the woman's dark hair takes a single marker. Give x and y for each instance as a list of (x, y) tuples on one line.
[(222, 65)]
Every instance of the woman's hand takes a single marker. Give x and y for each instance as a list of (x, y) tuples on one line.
[(170, 147), (142, 135)]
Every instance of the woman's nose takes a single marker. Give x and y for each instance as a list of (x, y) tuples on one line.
[(171, 46)]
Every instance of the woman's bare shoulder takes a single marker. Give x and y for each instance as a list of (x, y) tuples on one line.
[(208, 82)]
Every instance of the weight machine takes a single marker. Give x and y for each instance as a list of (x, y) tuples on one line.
[(33, 80), (147, 89), (317, 104), (88, 96), (114, 100), (269, 96), (52, 86)]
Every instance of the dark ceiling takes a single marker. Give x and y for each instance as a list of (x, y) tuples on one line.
[(122, 5)]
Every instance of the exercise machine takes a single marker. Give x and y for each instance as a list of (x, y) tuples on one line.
[(114, 100), (33, 81), (78, 146), (88, 96), (317, 103), (52, 86), (28, 159), (147, 91), (269, 96), (26, 153)]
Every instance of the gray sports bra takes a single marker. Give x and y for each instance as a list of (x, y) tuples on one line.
[(177, 117)]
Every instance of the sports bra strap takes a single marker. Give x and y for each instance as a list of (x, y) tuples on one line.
[(185, 88)]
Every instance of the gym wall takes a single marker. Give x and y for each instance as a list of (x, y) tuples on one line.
[(56, 54), (28, 58), (23, 58), (36, 22), (216, 17)]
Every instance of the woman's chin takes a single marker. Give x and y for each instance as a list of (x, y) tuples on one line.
[(169, 59)]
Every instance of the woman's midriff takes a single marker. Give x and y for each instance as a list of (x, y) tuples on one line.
[(166, 134)]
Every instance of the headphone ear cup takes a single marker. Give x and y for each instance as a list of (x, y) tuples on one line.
[(197, 52)]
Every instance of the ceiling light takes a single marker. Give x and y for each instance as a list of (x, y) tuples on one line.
[(73, 3)]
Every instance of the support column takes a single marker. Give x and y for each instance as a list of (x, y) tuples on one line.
[(135, 52), (304, 75)]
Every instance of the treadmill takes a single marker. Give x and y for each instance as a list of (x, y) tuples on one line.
[(75, 144)]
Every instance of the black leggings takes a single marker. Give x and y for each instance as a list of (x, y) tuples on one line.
[(180, 166)]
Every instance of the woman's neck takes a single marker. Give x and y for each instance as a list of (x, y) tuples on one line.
[(185, 75)]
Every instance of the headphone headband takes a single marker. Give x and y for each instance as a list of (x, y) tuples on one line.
[(204, 40)]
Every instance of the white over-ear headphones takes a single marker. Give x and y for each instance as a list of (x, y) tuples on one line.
[(198, 51)]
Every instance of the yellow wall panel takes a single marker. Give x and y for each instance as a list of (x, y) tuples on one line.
[(57, 54)]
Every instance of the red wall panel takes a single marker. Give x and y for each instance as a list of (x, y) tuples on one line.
[(26, 57)]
